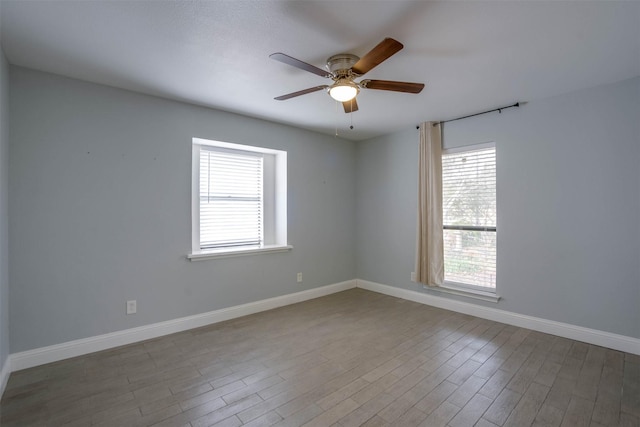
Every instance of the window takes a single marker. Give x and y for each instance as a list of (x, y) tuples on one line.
[(239, 199), (231, 203), (469, 216)]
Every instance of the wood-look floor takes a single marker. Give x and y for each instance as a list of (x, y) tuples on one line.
[(348, 359)]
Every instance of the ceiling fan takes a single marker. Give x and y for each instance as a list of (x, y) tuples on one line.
[(344, 68)]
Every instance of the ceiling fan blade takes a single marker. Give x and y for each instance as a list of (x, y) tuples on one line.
[(394, 86), (385, 49), (300, 92), (286, 59), (350, 106)]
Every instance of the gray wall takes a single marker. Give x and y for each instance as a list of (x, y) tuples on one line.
[(568, 180), (4, 210), (99, 211)]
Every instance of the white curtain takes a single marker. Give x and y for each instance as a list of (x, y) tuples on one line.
[(429, 251)]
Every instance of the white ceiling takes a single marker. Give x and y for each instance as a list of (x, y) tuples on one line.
[(471, 55)]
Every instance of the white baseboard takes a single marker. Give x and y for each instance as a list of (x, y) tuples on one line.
[(4, 375), (53, 353), (43, 355), (578, 333)]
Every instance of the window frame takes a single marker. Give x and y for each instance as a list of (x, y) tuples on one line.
[(274, 194), (483, 292)]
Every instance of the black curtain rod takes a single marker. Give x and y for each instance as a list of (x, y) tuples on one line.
[(517, 104)]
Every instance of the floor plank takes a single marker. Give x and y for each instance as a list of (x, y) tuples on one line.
[(355, 358)]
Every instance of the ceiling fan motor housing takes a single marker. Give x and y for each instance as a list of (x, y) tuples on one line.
[(340, 65)]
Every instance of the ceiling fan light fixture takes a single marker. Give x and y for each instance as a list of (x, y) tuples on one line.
[(344, 68), (343, 90)]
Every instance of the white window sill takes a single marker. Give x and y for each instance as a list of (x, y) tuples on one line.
[(448, 288), (226, 253)]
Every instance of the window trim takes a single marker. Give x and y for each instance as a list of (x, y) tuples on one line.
[(274, 199), (454, 288), (469, 148), (234, 252), (467, 289)]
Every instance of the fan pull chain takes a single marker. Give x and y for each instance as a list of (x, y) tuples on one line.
[(351, 114), (336, 117)]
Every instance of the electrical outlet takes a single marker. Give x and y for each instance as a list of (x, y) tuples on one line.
[(132, 307), (413, 276), (299, 277)]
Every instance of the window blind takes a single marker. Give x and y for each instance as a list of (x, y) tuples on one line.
[(231, 199), (469, 217)]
